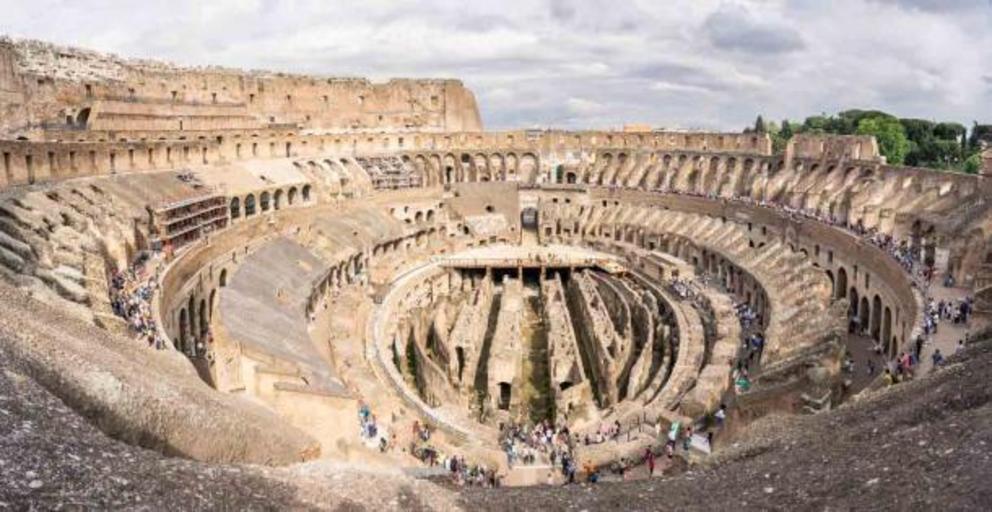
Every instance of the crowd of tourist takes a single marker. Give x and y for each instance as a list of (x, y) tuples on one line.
[(920, 272), (131, 293), (544, 442), (682, 288), (456, 469), (371, 432)]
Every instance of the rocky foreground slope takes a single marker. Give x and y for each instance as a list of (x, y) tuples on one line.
[(922, 445)]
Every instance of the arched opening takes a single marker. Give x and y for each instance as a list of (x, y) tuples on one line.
[(291, 196), (571, 178), (83, 117), (876, 318), (863, 314), (204, 323), (277, 199), (183, 327), (842, 284), (249, 205), (306, 193), (504, 395), (264, 201), (460, 357), (223, 278), (529, 218), (887, 330), (235, 208), (191, 306)]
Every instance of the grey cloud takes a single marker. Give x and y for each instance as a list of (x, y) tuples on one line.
[(938, 6), (686, 63), (734, 27), (562, 10)]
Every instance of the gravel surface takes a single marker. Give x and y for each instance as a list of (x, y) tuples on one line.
[(51, 458)]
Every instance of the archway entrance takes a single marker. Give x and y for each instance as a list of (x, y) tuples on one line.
[(528, 218)]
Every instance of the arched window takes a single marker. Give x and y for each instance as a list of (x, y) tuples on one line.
[(291, 196), (235, 208), (249, 205), (306, 193), (264, 200), (277, 199)]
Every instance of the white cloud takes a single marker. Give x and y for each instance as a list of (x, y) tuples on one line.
[(579, 63)]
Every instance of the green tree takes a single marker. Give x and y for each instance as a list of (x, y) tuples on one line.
[(891, 136), (973, 165), (786, 130), (759, 125)]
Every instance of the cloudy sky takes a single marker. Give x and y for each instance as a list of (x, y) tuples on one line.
[(710, 64)]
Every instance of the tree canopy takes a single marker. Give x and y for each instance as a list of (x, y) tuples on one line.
[(914, 142), (891, 136)]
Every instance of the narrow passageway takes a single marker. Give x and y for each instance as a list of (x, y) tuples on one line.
[(535, 368)]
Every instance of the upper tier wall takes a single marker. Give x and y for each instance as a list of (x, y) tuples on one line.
[(88, 154), (46, 86)]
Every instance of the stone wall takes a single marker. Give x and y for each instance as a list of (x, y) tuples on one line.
[(596, 335), (505, 356), (52, 87)]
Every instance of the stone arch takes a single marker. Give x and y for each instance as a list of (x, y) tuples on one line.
[(235, 207), (864, 311), (191, 308), (511, 166), (204, 318), (277, 199), (496, 166), (876, 318), (264, 201), (528, 168), (291, 196), (249, 205), (183, 327), (841, 283), (305, 193), (887, 330), (452, 172)]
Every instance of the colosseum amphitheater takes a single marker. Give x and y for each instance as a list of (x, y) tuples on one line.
[(260, 290)]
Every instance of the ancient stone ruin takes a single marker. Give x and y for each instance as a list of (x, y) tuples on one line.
[(230, 267)]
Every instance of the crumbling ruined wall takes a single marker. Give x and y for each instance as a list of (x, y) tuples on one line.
[(571, 388), (596, 336), (54, 86), (468, 334), (507, 344)]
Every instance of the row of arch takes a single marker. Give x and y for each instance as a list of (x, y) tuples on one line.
[(442, 169), (195, 318), (268, 200)]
